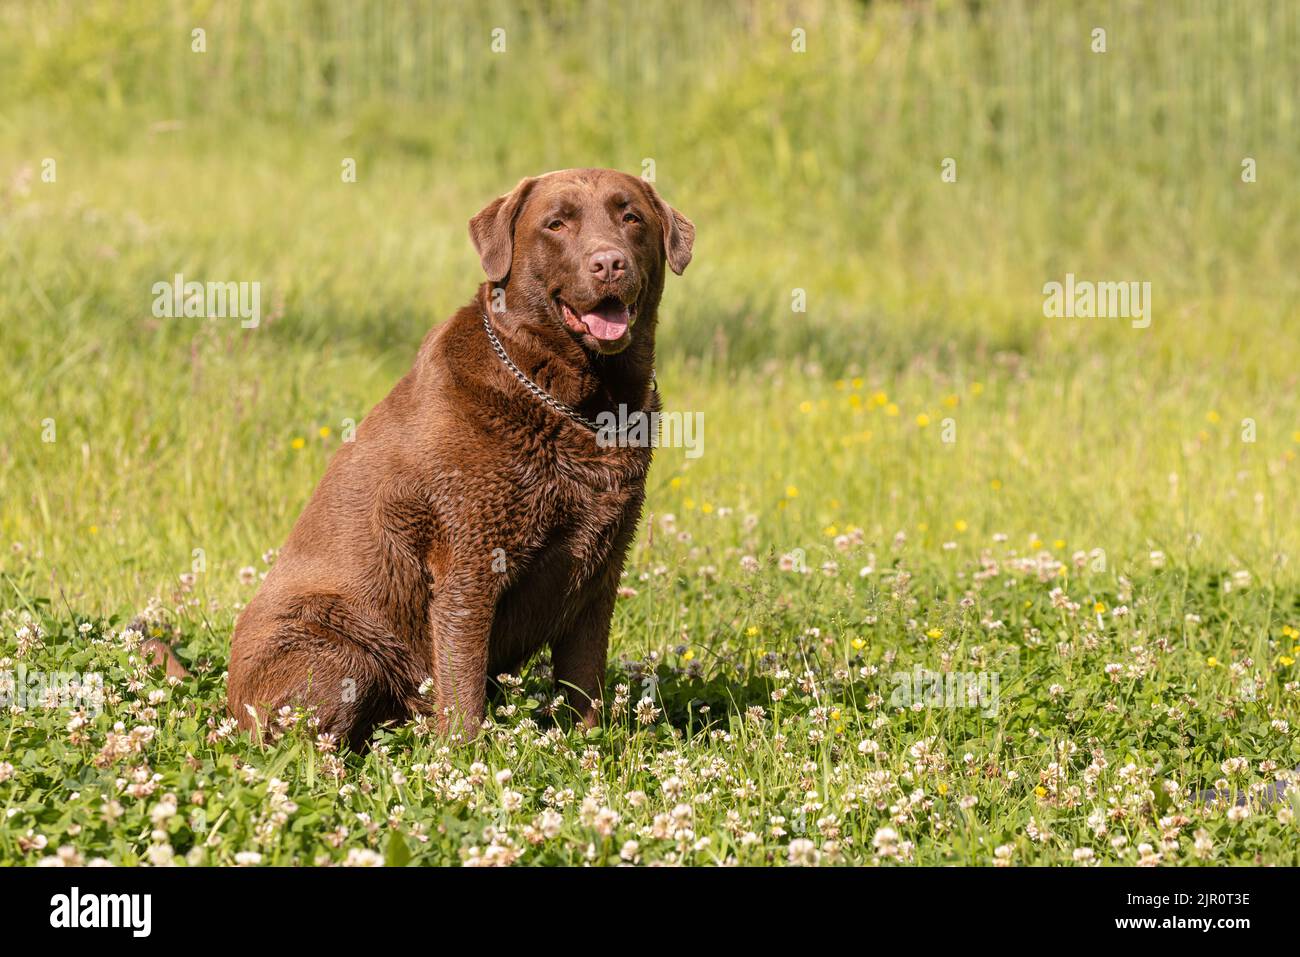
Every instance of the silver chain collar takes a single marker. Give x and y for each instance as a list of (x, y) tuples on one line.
[(567, 411)]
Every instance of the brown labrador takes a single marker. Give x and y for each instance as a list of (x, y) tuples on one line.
[(476, 518)]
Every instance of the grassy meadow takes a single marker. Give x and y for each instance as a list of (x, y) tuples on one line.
[(1095, 526)]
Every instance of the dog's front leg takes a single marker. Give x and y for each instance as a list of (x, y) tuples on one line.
[(460, 626), (579, 658)]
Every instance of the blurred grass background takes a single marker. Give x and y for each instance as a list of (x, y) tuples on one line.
[(817, 171)]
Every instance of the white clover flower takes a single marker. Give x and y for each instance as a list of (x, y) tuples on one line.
[(803, 853)]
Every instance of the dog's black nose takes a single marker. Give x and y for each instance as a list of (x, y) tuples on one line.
[(608, 264)]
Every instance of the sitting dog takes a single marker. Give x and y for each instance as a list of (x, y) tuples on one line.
[(477, 516)]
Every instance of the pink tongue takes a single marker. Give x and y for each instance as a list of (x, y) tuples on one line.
[(608, 323)]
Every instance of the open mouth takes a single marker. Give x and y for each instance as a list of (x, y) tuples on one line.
[(606, 321)]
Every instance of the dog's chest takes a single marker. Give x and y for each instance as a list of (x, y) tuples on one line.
[(584, 517), (592, 525), (576, 557), (576, 509)]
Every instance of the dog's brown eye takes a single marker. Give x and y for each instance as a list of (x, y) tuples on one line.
[(555, 225), (631, 218)]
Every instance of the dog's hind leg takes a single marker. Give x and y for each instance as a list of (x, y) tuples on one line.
[(347, 687)]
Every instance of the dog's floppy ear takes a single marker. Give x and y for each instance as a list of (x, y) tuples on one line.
[(679, 232), (493, 230)]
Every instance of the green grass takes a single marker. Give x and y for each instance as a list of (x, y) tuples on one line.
[(175, 447)]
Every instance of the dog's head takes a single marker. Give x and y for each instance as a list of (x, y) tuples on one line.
[(588, 246)]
